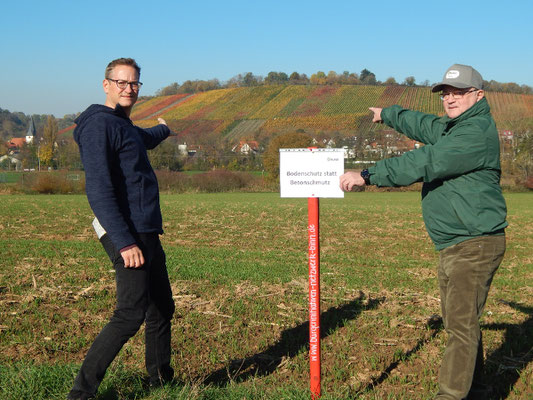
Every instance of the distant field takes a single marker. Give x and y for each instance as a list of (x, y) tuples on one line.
[(9, 177), (238, 269)]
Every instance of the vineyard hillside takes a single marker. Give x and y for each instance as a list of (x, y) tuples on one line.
[(264, 111)]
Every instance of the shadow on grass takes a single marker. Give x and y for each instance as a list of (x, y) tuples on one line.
[(435, 325), (292, 342), (504, 365)]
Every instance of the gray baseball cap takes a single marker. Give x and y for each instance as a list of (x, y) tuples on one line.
[(460, 76)]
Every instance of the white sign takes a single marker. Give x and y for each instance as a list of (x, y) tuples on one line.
[(311, 172)]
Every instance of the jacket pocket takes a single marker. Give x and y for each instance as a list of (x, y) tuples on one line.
[(467, 207)]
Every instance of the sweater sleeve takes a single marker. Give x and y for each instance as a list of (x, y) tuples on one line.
[(460, 152), (154, 135), (96, 149), (425, 128)]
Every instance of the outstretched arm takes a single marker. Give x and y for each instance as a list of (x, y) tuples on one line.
[(425, 128), (156, 134)]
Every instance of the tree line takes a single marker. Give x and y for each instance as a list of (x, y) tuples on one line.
[(15, 124), (365, 77), (48, 151)]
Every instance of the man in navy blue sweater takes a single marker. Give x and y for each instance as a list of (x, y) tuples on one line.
[(123, 193)]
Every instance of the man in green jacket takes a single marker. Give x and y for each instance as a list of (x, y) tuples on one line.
[(463, 209)]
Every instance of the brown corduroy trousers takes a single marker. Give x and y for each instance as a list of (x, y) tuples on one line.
[(465, 275)]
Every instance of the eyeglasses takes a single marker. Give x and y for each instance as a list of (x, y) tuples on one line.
[(135, 85), (456, 95)]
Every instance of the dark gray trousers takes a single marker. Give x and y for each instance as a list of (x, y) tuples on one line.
[(143, 295), (465, 275)]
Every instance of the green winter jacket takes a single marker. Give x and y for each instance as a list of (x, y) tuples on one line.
[(460, 168)]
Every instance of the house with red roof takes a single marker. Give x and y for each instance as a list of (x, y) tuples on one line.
[(246, 147), (15, 144)]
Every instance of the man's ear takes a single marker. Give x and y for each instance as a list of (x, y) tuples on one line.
[(105, 85), (480, 94)]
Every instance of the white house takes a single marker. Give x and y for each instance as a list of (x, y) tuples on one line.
[(15, 162), (244, 147)]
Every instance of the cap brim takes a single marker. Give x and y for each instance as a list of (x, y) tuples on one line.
[(440, 86)]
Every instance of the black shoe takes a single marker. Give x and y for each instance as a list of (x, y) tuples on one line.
[(77, 395), (164, 377), (479, 391)]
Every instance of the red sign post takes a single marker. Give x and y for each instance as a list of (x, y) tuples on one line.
[(314, 295), (312, 173)]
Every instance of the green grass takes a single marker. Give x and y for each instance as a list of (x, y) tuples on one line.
[(238, 268), (9, 177)]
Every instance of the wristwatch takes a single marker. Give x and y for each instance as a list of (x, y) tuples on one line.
[(366, 176)]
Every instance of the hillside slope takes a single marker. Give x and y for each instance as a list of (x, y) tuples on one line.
[(264, 111), (267, 110)]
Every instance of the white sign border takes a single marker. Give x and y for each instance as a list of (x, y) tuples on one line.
[(331, 190)]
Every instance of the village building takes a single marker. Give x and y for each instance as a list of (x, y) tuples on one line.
[(187, 150), (10, 163), (246, 147), (328, 143), (31, 133), (14, 145)]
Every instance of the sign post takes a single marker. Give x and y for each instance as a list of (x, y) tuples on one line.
[(312, 173), (314, 295)]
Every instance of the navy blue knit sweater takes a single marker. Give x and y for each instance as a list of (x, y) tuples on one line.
[(120, 183)]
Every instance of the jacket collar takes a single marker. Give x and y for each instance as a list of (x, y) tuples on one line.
[(119, 111)]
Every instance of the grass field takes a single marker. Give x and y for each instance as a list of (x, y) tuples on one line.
[(9, 177), (238, 269)]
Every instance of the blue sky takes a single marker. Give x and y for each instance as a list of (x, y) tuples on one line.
[(54, 52)]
